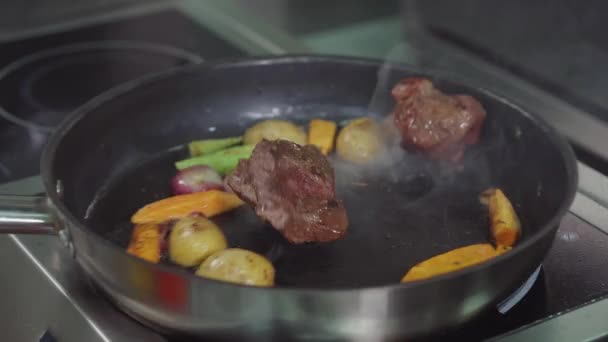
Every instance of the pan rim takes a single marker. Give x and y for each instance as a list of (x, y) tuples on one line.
[(48, 158)]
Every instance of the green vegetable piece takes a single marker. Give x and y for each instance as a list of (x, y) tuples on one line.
[(201, 147), (222, 161)]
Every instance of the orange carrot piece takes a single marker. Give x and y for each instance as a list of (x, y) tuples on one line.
[(146, 242), (502, 249), (451, 261), (321, 133), (209, 203), (506, 227)]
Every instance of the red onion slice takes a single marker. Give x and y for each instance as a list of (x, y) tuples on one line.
[(196, 179)]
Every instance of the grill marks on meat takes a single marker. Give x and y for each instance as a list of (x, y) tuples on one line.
[(293, 188), (433, 122)]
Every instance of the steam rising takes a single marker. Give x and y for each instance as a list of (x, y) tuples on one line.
[(412, 174)]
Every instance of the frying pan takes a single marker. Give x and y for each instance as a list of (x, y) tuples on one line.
[(115, 154)]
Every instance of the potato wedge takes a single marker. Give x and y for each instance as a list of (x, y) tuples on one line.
[(451, 261), (238, 266), (208, 203), (321, 133), (506, 227), (193, 239), (273, 130), (146, 242)]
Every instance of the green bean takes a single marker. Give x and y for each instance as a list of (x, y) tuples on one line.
[(222, 161), (202, 147)]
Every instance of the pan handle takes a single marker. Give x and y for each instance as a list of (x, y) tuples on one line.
[(26, 215)]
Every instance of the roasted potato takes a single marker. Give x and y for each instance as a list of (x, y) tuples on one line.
[(506, 227), (240, 266), (451, 261), (360, 141), (193, 239), (273, 130)]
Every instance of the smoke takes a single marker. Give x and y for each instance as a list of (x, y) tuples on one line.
[(415, 175)]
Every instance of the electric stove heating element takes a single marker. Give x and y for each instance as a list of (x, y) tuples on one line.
[(41, 88), (44, 78)]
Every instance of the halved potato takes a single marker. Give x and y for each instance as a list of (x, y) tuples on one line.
[(193, 239), (272, 130), (360, 141), (238, 265)]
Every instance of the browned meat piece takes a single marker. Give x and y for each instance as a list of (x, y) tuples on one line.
[(293, 188), (434, 122)]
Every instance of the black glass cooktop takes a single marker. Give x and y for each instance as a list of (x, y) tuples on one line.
[(572, 275), (44, 78)]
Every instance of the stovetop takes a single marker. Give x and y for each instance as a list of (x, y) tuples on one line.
[(572, 275), (43, 78)]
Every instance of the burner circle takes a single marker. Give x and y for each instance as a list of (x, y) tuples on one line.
[(38, 90)]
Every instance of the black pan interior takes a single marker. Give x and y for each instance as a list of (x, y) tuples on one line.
[(119, 157)]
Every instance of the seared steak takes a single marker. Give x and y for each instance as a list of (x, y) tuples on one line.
[(433, 122), (293, 188)]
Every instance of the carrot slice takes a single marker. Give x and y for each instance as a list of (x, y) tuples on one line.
[(321, 133), (208, 203), (452, 261), (506, 227), (502, 249), (146, 242)]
